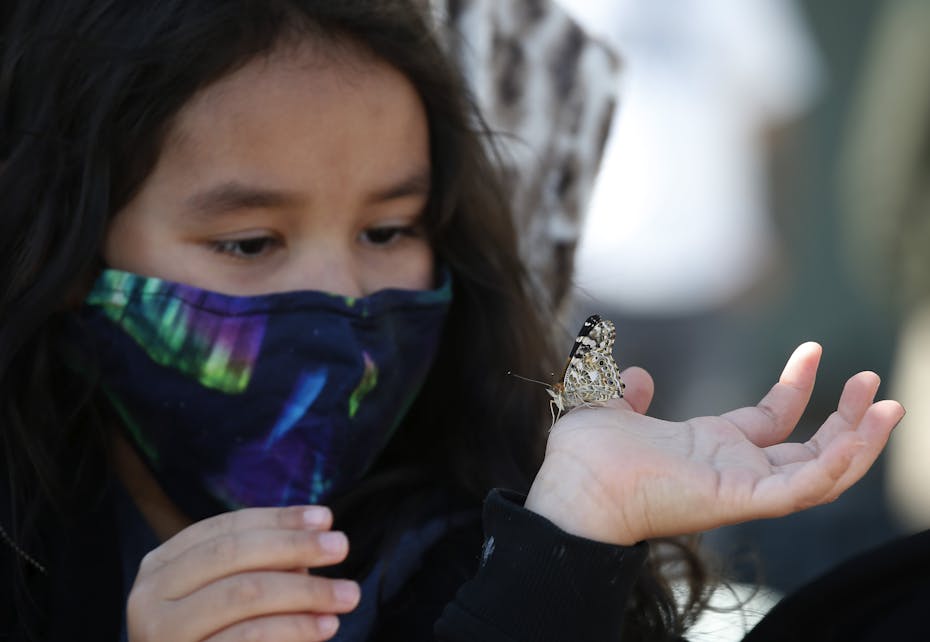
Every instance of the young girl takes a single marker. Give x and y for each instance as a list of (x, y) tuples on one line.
[(259, 296)]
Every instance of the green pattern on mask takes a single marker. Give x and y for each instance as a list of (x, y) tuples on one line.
[(218, 352), (366, 385)]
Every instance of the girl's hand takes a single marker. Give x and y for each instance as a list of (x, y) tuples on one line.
[(614, 475), (243, 576)]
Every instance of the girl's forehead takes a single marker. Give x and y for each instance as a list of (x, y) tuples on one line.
[(310, 72), (298, 104)]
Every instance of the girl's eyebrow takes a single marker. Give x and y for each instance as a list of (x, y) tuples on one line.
[(417, 183), (233, 195)]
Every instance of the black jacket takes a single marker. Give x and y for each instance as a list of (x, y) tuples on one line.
[(529, 580), (533, 582)]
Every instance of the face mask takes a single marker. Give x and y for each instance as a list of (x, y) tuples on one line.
[(259, 401)]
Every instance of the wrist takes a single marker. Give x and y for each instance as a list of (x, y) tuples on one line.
[(565, 494)]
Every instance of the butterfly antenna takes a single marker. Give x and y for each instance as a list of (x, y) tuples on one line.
[(512, 374)]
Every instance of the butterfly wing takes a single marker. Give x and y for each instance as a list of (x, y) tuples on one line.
[(591, 374)]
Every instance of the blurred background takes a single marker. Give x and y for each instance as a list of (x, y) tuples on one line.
[(765, 182)]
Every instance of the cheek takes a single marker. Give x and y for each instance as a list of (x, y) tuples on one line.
[(124, 246), (411, 269), (134, 244), (419, 269), (424, 270)]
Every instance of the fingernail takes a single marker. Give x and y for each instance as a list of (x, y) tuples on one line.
[(346, 592), (316, 516), (327, 624), (333, 542)]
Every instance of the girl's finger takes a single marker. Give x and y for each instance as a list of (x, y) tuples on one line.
[(872, 434), (281, 628), (857, 397), (242, 597), (639, 389), (855, 400), (290, 517), (844, 460), (251, 550), (773, 418)]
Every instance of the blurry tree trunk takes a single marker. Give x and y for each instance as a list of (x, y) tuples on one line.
[(548, 91)]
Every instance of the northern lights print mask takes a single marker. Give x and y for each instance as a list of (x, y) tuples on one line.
[(259, 401)]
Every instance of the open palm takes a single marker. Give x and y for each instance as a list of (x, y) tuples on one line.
[(614, 474)]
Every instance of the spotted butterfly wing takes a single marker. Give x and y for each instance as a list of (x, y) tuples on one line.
[(590, 375)]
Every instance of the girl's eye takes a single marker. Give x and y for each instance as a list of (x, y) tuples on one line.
[(389, 234), (245, 248)]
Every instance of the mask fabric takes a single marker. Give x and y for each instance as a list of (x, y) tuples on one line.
[(259, 401)]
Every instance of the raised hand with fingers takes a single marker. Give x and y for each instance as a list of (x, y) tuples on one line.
[(615, 475), (243, 576)]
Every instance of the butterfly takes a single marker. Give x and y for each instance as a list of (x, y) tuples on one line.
[(590, 375)]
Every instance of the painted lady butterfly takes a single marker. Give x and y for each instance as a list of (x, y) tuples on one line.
[(590, 375)]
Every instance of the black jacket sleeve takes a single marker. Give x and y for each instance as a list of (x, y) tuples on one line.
[(537, 582), (79, 594)]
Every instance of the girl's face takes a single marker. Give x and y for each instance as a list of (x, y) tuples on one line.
[(298, 171)]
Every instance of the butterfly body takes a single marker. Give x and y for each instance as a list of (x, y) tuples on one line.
[(590, 375)]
